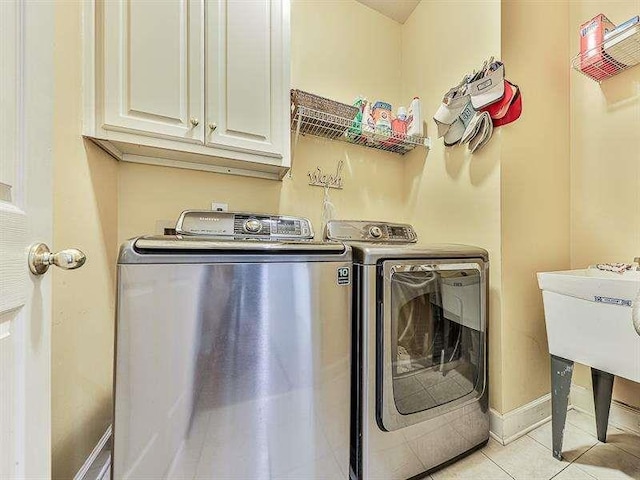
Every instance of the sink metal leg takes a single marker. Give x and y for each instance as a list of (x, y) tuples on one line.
[(561, 372), (602, 390)]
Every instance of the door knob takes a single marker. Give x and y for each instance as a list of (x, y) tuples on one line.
[(41, 258), (194, 122), (212, 127)]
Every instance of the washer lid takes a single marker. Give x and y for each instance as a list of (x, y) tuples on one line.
[(182, 249), (170, 243), (372, 253)]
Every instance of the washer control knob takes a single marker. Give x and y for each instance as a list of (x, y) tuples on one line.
[(252, 226), (375, 231)]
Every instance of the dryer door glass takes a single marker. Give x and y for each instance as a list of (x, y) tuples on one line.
[(436, 330)]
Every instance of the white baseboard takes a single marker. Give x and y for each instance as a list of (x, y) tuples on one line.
[(505, 428), (97, 466), (620, 415)]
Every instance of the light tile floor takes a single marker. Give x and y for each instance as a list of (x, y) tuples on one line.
[(529, 457)]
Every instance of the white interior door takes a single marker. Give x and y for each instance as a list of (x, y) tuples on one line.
[(26, 108)]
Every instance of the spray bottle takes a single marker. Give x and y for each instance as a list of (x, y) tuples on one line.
[(414, 119)]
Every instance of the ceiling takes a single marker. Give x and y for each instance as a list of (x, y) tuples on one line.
[(398, 10)]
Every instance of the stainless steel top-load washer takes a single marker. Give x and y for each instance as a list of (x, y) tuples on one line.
[(233, 352), (420, 350)]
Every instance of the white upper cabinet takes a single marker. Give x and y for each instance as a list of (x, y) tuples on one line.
[(247, 65), (199, 84), (153, 68)]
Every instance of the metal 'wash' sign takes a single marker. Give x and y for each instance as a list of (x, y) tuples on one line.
[(318, 178)]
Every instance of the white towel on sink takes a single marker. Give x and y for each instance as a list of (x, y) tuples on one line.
[(616, 267)]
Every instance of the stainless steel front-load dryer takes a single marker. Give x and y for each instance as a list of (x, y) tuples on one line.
[(233, 352), (420, 396)]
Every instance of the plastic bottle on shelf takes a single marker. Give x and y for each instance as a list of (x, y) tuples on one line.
[(398, 130), (399, 124), (382, 117), (355, 130), (414, 119), (368, 124)]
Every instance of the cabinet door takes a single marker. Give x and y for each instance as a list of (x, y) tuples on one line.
[(153, 68), (248, 76)]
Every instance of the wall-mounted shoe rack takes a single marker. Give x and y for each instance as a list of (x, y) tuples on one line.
[(615, 54)]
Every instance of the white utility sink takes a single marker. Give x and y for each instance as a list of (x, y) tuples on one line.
[(588, 317)]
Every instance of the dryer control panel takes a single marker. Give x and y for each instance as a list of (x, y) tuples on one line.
[(374, 232), (243, 225)]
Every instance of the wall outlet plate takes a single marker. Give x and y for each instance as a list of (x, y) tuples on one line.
[(219, 207), (163, 226)]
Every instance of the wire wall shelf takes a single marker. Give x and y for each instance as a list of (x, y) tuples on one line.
[(618, 52), (308, 121)]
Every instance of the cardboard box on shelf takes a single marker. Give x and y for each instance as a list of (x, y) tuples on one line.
[(593, 59)]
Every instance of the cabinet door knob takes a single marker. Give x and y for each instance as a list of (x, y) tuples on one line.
[(213, 126), (194, 122)]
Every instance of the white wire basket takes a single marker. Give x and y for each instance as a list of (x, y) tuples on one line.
[(307, 121), (615, 54)]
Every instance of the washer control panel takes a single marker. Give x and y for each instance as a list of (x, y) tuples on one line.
[(243, 225), (362, 231)]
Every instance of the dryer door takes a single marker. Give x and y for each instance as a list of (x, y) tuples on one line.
[(431, 339)]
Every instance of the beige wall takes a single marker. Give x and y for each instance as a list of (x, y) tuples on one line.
[(605, 166), (328, 58), (85, 216), (99, 202), (511, 198), (534, 188), (342, 49), (494, 198), (451, 196)]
